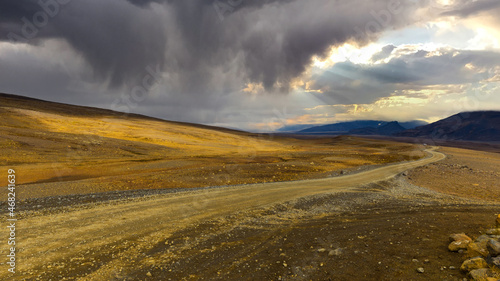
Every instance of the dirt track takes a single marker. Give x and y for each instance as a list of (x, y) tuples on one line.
[(58, 242)]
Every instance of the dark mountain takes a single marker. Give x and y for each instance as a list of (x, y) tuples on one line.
[(342, 128), (412, 124), (347, 127), (294, 128), (476, 126), (388, 129)]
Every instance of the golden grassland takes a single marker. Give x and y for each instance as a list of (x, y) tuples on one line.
[(64, 149)]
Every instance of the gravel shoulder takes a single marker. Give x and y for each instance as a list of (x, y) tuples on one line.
[(466, 173)]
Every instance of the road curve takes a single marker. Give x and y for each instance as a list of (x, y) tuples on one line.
[(64, 239)]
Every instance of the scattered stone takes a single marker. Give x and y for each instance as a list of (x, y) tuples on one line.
[(494, 231), (459, 237), (336, 252), (420, 270), (479, 274), (427, 261), (456, 246), (149, 274), (482, 239), (414, 260), (322, 250), (452, 267), (473, 263), (493, 247), (475, 249)]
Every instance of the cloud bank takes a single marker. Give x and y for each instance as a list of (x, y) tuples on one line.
[(222, 61)]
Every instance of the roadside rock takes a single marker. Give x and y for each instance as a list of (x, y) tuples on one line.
[(459, 241), (483, 263), (494, 231), (455, 246), (476, 249), (479, 274), (493, 247), (459, 237), (496, 262), (473, 263), (482, 239)]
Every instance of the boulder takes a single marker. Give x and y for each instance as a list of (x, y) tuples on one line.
[(476, 249), (459, 237), (456, 246), (496, 262), (493, 247), (482, 239), (473, 263), (479, 274)]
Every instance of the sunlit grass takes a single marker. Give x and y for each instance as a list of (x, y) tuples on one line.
[(100, 153)]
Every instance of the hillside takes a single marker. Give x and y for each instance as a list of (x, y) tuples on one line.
[(65, 149), (473, 126)]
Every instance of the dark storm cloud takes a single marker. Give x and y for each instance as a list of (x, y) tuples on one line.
[(465, 8), (117, 39), (264, 41), (143, 3)]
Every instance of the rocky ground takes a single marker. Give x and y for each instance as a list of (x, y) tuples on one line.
[(466, 173), (391, 230)]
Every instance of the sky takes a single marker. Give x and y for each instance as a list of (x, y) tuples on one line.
[(256, 65)]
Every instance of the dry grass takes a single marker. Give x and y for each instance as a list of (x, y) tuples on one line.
[(62, 149)]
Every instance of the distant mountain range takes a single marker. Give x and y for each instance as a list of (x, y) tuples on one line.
[(361, 127), (474, 126), (294, 128), (388, 129)]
